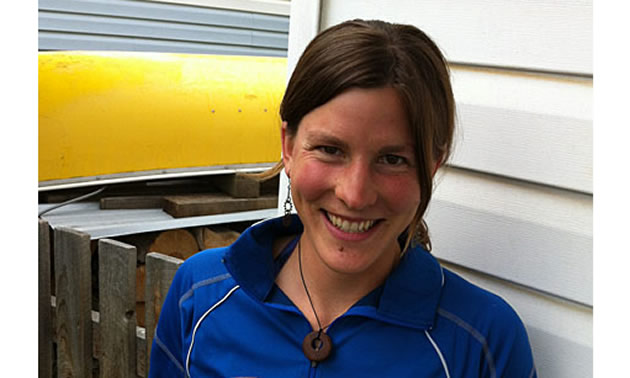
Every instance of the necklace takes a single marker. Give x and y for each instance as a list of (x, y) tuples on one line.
[(317, 344)]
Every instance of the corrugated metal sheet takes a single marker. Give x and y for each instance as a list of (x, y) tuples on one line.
[(89, 218), (160, 27)]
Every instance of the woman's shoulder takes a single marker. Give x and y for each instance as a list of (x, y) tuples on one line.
[(201, 270), (478, 316), (472, 304)]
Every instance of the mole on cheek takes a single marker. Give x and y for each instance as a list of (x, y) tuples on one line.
[(341, 249)]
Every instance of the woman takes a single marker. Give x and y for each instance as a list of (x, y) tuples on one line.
[(347, 287)]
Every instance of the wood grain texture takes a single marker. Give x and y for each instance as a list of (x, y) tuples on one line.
[(141, 353), (531, 127), (179, 243), (117, 302), (536, 236), (132, 202), (539, 35), (160, 270), (237, 185), (45, 331), (73, 282), (215, 237), (215, 203), (141, 347), (560, 332)]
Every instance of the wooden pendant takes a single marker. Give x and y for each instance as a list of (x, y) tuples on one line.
[(317, 346)]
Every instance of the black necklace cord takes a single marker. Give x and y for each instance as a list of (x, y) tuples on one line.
[(317, 345), (308, 295)]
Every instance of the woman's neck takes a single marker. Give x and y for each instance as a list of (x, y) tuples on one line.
[(332, 293)]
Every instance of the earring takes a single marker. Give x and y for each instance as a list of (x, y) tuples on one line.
[(288, 206)]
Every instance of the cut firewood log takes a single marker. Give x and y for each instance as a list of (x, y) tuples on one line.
[(176, 243), (141, 241), (140, 278), (140, 274), (216, 237), (214, 203)]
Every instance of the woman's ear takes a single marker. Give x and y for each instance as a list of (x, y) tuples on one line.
[(438, 164), (287, 149)]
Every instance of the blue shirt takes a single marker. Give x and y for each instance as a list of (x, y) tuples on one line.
[(225, 317)]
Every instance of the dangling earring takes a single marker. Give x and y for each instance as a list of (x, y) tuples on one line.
[(288, 206)]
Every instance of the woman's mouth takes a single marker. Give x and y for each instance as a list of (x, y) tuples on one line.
[(350, 226)]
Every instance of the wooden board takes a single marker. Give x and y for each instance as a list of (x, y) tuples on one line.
[(216, 203), (45, 332), (142, 348), (141, 353), (117, 303), (132, 202), (160, 270), (533, 235), (73, 282), (560, 332), (238, 185), (536, 35)]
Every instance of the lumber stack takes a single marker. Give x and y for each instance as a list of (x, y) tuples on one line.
[(218, 194), (209, 195), (179, 243)]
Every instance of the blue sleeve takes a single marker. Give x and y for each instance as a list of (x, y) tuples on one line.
[(167, 354), (509, 346)]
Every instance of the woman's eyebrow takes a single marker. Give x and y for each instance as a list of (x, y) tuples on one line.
[(317, 138), (398, 148), (326, 139)]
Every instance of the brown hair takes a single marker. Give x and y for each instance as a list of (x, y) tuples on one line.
[(373, 54)]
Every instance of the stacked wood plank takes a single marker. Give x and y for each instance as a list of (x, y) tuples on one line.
[(99, 301), (184, 198), (106, 342)]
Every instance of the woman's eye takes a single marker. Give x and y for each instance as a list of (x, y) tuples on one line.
[(393, 160), (330, 150)]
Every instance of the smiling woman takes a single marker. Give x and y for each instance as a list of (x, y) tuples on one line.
[(347, 287), (351, 165)]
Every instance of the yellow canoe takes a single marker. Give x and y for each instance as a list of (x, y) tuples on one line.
[(108, 115)]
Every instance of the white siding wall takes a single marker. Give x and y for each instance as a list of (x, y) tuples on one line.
[(513, 210)]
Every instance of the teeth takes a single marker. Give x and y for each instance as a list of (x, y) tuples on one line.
[(351, 227)]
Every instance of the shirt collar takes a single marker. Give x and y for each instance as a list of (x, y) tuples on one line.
[(410, 295)]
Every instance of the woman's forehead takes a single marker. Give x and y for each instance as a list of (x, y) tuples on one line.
[(370, 114)]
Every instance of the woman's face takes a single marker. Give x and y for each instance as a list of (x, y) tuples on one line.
[(354, 179)]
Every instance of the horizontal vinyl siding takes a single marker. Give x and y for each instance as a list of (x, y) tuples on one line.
[(530, 127), (536, 236), (513, 210), (539, 35), (160, 27), (561, 348)]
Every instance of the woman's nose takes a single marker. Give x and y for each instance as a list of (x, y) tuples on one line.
[(355, 187)]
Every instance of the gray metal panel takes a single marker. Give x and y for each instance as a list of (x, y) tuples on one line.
[(87, 217), (169, 12), (150, 26), (62, 41), (82, 24)]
